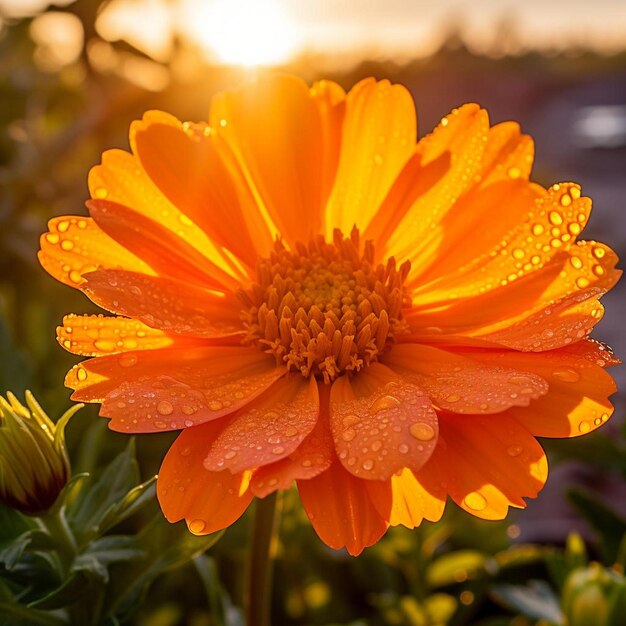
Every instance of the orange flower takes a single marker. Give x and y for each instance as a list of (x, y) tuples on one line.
[(311, 295)]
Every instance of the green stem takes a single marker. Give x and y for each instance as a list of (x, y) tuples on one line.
[(65, 544), (259, 582)]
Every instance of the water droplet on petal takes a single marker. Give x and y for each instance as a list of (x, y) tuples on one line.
[(514, 450), (348, 435), (197, 526), (368, 464), (384, 402), (165, 408), (475, 501), (422, 431), (584, 427)]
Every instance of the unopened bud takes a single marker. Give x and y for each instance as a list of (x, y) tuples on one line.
[(34, 466)]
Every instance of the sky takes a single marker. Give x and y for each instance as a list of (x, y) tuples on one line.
[(252, 32)]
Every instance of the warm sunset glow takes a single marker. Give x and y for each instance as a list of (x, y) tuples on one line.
[(242, 33)]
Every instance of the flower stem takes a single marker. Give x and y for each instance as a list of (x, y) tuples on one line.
[(56, 524), (259, 582)]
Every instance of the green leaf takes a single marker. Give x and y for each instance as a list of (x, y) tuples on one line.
[(609, 525), (132, 502), (536, 600), (11, 554), (92, 506), (166, 547), (114, 549)]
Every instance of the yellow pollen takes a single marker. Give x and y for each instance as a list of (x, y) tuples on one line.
[(325, 309)]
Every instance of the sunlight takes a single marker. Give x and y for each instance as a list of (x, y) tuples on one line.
[(241, 33)]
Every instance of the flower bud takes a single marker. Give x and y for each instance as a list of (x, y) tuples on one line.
[(34, 466), (590, 594)]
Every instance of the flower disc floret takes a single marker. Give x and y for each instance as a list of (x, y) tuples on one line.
[(327, 308)]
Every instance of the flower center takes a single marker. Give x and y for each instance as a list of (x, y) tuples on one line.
[(325, 309)]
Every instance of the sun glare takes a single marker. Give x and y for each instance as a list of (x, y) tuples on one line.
[(241, 32)]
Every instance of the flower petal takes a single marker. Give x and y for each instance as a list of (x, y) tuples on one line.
[(166, 252), (208, 501), (120, 178), (341, 511), (76, 245), (411, 504), (460, 384), (486, 463), (269, 428), (381, 423), (184, 162), (274, 130), (379, 134), (462, 136), (330, 99), (170, 305), (577, 400), (313, 456), (97, 335), (154, 390)]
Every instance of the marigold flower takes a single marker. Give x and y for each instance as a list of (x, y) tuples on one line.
[(311, 295), (33, 460)]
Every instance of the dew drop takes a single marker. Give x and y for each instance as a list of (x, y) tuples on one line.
[(101, 193), (278, 450), (422, 431), (348, 435), (584, 427), (514, 450), (403, 448), (52, 238), (215, 405), (368, 464), (453, 397), (127, 360), (231, 454), (291, 431), (196, 526), (81, 374), (186, 451), (160, 424), (475, 501), (165, 408), (514, 172), (384, 402)]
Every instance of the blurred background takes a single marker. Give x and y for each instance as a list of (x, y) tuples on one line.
[(74, 74)]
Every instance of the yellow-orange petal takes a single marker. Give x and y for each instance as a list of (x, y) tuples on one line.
[(169, 305), (97, 335), (267, 429), (274, 130), (578, 398), (164, 251), (550, 228), (460, 384), (207, 501), (330, 99), (341, 511), (379, 134), (411, 504), (155, 390), (313, 456), (462, 135), (75, 245), (508, 154), (486, 464), (186, 163), (120, 178), (381, 422)]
